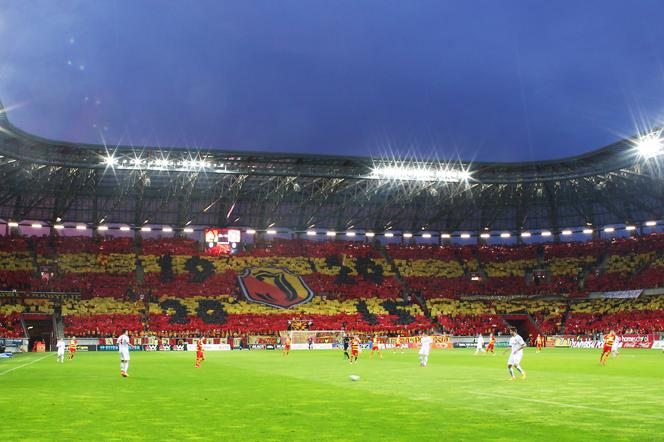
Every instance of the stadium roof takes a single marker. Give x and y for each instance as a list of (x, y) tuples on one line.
[(50, 180)]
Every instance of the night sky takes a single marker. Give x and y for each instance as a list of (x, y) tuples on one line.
[(485, 80)]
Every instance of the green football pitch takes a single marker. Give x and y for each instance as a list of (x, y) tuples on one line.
[(261, 395)]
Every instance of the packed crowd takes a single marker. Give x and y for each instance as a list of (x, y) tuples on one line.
[(359, 286)]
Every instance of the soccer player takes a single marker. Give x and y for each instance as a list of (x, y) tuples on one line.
[(374, 347), (425, 346), (310, 341), (72, 347), (123, 349), (200, 356), (346, 343), (287, 344), (397, 344), (354, 349), (61, 350), (615, 348), (480, 344), (517, 345), (539, 341), (491, 344), (608, 344)]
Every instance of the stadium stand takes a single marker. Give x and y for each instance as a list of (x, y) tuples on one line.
[(169, 286)]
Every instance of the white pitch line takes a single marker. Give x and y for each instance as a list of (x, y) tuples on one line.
[(562, 404), (21, 366)]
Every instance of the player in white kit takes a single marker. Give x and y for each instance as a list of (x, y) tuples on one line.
[(61, 350), (615, 347), (517, 345), (480, 344), (425, 347), (123, 348)]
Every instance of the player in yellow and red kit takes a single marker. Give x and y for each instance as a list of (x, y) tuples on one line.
[(608, 343), (491, 344), (397, 344), (287, 343), (539, 341), (354, 349), (72, 347), (374, 347), (200, 356)]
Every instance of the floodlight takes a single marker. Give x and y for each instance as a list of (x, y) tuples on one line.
[(80, 227), (545, 233), (566, 232), (389, 234), (251, 232), (125, 228), (58, 226), (311, 232), (36, 226), (102, 228), (485, 235), (188, 230), (446, 235), (609, 229), (369, 234), (588, 231), (12, 224), (630, 228), (651, 223), (350, 233), (650, 145), (271, 232), (146, 229), (465, 235), (426, 235), (505, 235), (167, 229), (407, 235), (331, 233), (525, 234)]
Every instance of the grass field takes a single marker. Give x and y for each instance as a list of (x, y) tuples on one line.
[(261, 395)]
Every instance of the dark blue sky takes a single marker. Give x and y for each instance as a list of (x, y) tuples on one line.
[(486, 80)]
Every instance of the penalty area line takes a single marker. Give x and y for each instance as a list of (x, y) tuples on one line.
[(24, 365), (562, 404)]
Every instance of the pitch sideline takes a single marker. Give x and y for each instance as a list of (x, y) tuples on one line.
[(24, 365)]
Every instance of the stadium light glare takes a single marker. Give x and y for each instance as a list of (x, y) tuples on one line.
[(399, 171), (389, 234), (505, 235), (485, 235), (188, 230), (167, 229), (588, 231), (36, 226), (566, 232), (651, 223), (445, 235), (81, 227), (58, 227), (125, 228), (271, 232), (426, 235), (630, 228), (311, 232), (146, 229), (465, 235), (102, 228), (331, 233), (110, 160), (609, 229), (369, 234), (350, 233), (545, 233), (525, 234), (12, 224), (408, 235), (251, 232), (650, 145)]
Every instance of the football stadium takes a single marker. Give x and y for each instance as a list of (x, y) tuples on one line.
[(150, 292)]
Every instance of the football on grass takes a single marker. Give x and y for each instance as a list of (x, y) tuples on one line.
[(354, 377)]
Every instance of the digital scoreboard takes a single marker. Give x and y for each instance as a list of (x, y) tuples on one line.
[(222, 241)]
